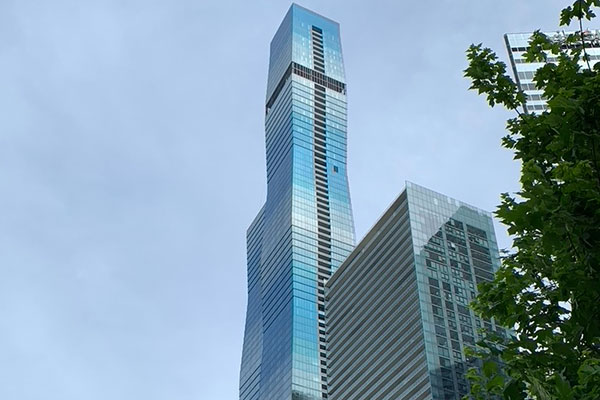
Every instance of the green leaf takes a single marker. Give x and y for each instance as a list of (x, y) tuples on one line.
[(495, 383), (512, 391), (563, 388), (490, 368)]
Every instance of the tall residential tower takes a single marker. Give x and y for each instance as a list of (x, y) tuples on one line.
[(305, 229)]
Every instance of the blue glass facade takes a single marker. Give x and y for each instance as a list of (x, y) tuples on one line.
[(455, 249), (305, 229)]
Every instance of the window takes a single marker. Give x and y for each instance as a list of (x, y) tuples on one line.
[(439, 320), (463, 310)]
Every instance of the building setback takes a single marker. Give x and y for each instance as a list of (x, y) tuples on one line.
[(518, 43), (396, 310), (305, 229)]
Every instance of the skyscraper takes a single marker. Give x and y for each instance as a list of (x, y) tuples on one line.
[(518, 43), (305, 229), (397, 314)]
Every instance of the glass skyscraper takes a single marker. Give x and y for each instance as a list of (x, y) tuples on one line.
[(397, 311), (518, 43), (305, 229)]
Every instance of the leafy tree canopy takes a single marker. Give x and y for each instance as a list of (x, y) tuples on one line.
[(548, 287)]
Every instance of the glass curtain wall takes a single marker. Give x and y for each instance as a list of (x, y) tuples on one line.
[(305, 229)]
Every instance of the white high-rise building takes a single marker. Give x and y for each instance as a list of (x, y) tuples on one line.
[(518, 43)]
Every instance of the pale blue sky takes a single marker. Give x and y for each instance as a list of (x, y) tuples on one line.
[(132, 162)]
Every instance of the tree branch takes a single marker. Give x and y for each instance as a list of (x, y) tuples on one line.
[(580, 17)]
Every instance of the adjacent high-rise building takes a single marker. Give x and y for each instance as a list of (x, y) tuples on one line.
[(518, 43), (305, 229), (397, 309)]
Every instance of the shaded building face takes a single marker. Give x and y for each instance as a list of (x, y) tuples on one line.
[(397, 314), (305, 229)]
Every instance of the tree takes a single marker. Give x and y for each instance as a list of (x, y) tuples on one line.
[(548, 287)]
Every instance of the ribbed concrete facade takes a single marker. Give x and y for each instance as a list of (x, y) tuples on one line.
[(396, 309), (375, 334)]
